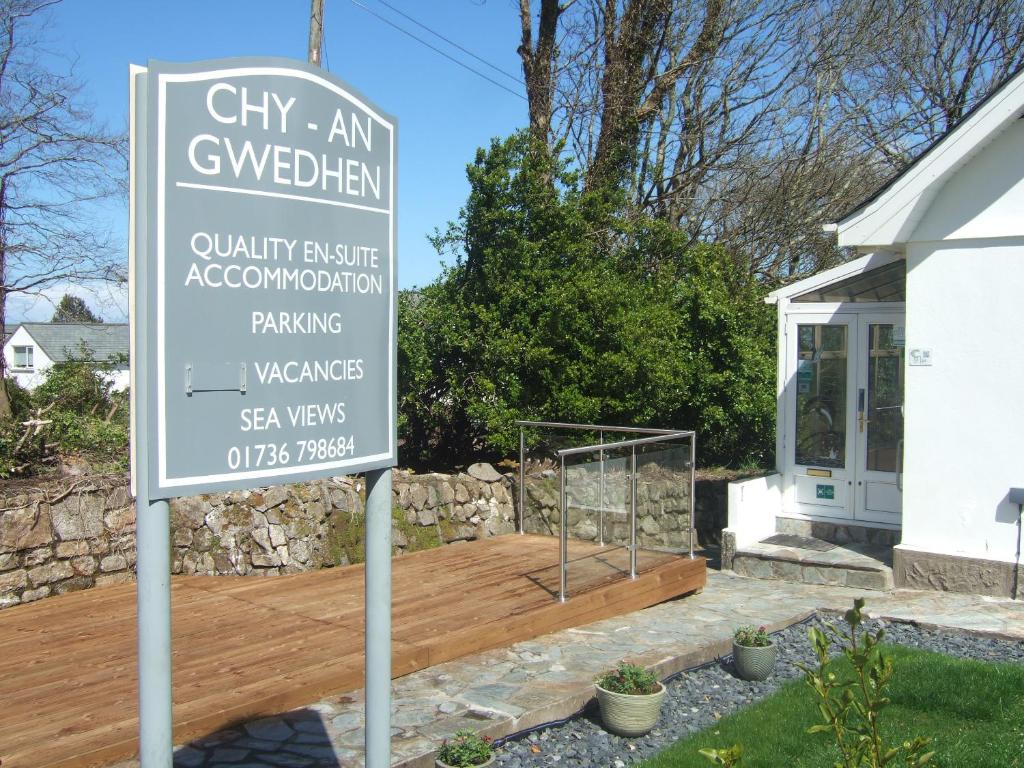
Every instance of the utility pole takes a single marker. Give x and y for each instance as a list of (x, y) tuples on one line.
[(377, 547), (316, 30)]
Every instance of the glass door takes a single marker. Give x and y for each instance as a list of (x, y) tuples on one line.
[(821, 408), (878, 491)]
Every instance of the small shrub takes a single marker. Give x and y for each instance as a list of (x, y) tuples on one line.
[(629, 679), (850, 706), (752, 637), (19, 398), (730, 757), (465, 750), (76, 387), (92, 437)]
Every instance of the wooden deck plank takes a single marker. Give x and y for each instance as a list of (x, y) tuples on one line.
[(246, 647)]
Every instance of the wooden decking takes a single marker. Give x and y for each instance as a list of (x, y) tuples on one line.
[(245, 647)]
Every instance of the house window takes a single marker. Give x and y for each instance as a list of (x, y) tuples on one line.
[(23, 357)]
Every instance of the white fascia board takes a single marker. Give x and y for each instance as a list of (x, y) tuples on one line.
[(834, 275), (890, 219)]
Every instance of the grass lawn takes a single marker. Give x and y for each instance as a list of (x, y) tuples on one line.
[(973, 712)]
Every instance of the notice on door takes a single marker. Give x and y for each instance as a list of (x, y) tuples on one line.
[(825, 491), (270, 275)]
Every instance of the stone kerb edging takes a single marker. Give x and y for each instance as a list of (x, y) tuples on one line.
[(72, 534)]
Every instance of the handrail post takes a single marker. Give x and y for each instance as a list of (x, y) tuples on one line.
[(693, 488), (632, 523), (600, 529), (563, 533), (522, 482)]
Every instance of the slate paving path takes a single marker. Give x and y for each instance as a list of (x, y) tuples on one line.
[(506, 691)]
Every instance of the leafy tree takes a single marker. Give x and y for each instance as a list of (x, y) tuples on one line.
[(55, 162), (558, 309), (72, 309)]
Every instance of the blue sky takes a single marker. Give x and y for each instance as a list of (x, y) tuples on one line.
[(444, 111)]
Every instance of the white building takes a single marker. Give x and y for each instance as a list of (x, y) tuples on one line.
[(33, 348), (901, 373)]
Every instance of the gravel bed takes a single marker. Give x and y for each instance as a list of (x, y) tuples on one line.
[(696, 699)]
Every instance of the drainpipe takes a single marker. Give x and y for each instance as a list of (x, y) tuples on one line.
[(1017, 497)]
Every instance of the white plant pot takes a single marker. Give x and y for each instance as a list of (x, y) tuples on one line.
[(628, 715), (754, 663)]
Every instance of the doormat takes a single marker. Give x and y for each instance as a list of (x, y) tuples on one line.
[(800, 542)]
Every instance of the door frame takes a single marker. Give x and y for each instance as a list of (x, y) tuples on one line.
[(805, 482), (855, 315), (889, 482)]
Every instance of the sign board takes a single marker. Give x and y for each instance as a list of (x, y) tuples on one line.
[(266, 276), (825, 491)]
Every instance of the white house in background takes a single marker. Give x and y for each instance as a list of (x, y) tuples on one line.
[(34, 347), (901, 373)]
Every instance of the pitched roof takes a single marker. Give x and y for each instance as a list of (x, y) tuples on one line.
[(96, 342), (889, 216)]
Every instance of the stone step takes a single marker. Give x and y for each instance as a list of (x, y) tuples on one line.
[(854, 565)]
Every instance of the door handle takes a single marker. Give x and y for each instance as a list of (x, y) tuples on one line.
[(861, 416)]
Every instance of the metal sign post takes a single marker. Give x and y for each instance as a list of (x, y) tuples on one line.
[(263, 306)]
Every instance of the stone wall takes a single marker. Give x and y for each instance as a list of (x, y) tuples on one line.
[(68, 535)]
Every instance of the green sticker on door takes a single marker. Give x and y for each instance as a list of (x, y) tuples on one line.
[(825, 492)]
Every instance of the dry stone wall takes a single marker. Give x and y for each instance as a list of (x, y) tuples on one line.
[(68, 535)]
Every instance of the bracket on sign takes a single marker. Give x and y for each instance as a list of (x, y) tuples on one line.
[(217, 380)]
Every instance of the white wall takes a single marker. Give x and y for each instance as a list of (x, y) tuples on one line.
[(964, 418), (984, 198), (40, 362), (753, 506)]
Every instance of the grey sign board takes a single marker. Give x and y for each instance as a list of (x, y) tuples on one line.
[(268, 274)]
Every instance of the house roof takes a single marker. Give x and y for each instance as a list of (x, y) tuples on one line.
[(97, 342), (889, 216)]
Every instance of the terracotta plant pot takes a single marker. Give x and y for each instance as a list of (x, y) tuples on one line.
[(630, 715), (443, 764), (754, 663)]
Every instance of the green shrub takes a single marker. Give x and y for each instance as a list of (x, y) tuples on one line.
[(559, 308), (78, 415), (19, 398), (730, 757), (75, 387), (465, 750), (91, 437), (630, 679)]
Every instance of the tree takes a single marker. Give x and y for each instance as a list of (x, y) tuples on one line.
[(55, 164), (751, 123), (559, 309), (72, 309)]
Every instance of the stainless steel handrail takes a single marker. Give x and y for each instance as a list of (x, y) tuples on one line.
[(625, 443), (592, 427), (657, 436), (563, 425)]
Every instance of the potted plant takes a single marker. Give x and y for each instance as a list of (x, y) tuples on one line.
[(754, 653), (465, 750), (630, 699)]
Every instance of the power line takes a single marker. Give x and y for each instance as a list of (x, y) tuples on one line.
[(451, 42), (437, 50)]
